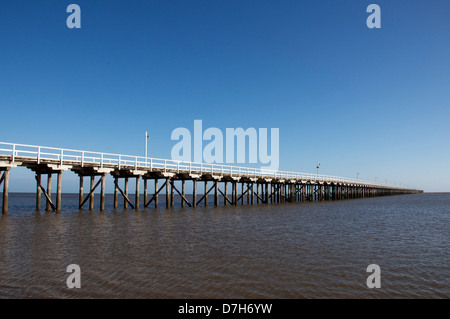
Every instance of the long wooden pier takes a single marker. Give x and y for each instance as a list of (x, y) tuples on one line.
[(248, 185)]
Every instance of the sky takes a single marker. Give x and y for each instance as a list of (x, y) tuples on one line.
[(358, 100)]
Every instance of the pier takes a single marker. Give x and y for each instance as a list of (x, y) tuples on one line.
[(247, 186)]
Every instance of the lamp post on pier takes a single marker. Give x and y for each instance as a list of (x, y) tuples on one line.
[(146, 138)]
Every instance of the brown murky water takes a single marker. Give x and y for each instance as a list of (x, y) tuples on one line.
[(312, 250)]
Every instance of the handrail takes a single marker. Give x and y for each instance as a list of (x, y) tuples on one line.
[(64, 155)]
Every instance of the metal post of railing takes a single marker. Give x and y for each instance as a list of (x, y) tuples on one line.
[(165, 166), (61, 159), (14, 152), (135, 162), (82, 159), (119, 161), (101, 160), (39, 155)]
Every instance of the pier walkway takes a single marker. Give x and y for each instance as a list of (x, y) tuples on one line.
[(256, 185)]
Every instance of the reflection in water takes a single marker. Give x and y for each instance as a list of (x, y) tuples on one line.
[(310, 250)]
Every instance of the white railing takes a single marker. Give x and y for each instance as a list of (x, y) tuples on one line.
[(88, 158)]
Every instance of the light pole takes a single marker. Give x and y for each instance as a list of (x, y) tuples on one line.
[(318, 164), (146, 138)]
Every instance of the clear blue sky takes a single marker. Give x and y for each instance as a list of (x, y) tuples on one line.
[(356, 99)]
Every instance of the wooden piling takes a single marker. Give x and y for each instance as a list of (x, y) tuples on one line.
[(58, 191), (266, 193), (5, 190), (49, 192), (167, 193), (257, 193), (234, 192), (156, 195), (116, 189), (225, 194), (102, 193), (136, 206), (182, 191), (125, 202), (80, 192), (38, 192), (91, 197), (206, 196), (216, 193), (194, 193), (172, 195), (145, 192)]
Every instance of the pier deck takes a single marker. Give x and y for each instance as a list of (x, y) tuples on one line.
[(271, 186)]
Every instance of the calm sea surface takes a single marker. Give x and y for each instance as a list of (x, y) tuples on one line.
[(302, 250)]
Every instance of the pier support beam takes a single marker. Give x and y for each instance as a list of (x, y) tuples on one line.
[(183, 192), (225, 194), (38, 192), (172, 194), (80, 192), (102, 193), (167, 193), (138, 179), (125, 202), (194, 192), (156, 195), (49, 191), (58, 192), (116, 190), (5, 181), (216, 193)]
